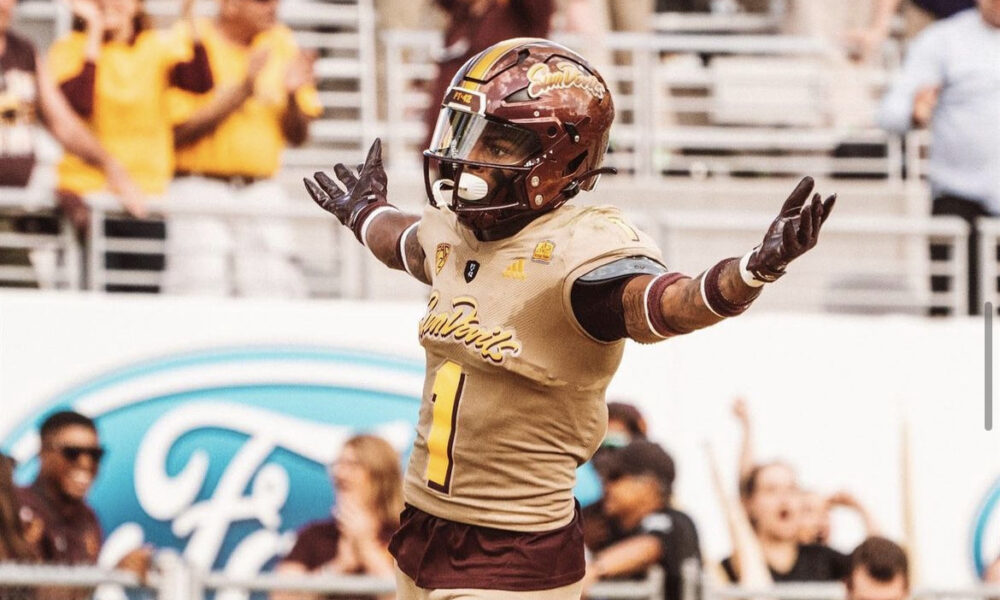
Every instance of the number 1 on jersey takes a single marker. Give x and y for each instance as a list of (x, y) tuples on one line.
[(446, 394)]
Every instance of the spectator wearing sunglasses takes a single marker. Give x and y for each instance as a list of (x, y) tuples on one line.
[(69, 459)]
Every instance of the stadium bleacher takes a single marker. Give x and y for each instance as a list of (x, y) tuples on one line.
[(714, 125)]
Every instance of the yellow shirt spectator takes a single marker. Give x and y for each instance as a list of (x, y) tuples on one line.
[(129, 106), (250, 140)]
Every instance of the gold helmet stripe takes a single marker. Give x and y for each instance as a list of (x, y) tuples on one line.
[(487, 60)]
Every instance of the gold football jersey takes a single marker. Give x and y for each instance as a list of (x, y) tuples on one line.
[(513, 400)]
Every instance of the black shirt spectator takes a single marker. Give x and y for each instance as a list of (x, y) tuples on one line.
[(814, 563), (942, 9), (678, 540), (642, 529)]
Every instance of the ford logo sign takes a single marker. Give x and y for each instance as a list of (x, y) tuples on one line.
[(222, 454)]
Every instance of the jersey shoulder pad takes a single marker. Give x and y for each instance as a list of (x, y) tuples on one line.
[(622, 268)]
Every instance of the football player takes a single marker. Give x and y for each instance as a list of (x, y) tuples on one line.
[(530, 304)]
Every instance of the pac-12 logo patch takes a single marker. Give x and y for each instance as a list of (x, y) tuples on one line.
[(543, 252), (441, 256), (471, 270)]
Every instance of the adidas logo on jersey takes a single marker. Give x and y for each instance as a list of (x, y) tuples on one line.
[(515, 270)]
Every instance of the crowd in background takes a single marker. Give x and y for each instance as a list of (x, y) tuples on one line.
[(205, 108), (779, 531)]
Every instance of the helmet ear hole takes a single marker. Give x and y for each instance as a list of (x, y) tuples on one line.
[(574, 164)]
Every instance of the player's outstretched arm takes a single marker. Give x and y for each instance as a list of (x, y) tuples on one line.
[(671, 304), (360, 204)]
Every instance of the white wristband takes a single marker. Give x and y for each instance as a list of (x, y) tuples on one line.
[(746, 275), (368, 221)]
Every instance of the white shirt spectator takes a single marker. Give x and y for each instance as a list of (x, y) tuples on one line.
[(960, 56)]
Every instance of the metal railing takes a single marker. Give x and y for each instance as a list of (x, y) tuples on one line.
[(37, 247), (700, 585), (868, 262), (891, 273), (697, 104), (174, 580), (989, 262)]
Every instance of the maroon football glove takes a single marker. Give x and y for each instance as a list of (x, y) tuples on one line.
[(791, 234), (362, 194)]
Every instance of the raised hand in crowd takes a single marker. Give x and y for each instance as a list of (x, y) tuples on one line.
[(93, 18), (360, 530), (845, 499), (742, 413), (748, 560)]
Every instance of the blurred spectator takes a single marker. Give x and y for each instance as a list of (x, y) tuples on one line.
[(27, 93), (28, 96), (68, 463), (949, 82), (115, 70), (473, 26), (770, 496), (229, 144), (638, 485), (368, 494), (683, 6), (879, 571), (847, 91), (813, 508), (625, 424), (630, 15), (16, 537), (814, 516), (918, 14), (746, 459)]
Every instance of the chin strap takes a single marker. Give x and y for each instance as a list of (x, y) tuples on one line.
[(437, 189), (573, 188)]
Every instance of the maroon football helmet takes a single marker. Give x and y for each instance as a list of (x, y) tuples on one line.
[(523, 128)]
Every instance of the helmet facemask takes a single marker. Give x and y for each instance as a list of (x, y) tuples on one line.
[(482, 163)]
